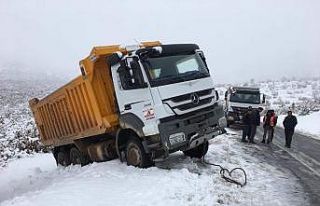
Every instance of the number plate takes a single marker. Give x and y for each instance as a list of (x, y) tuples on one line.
[(177, 138)]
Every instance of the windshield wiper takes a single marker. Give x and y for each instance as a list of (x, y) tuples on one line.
[(194, 74), (170, 78)]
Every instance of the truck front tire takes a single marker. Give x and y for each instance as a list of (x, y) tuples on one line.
[(199, 151), (135, 154)]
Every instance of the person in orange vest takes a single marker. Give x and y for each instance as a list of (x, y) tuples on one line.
[(269, 123)]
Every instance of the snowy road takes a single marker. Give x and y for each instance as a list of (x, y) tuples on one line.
[(302, 159), (184, 181)]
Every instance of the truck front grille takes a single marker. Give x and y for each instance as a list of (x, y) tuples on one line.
[(240, 110), (186, 97), (192, 101)]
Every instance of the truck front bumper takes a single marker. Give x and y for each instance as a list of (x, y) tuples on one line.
[(188, 131), (234, 118)]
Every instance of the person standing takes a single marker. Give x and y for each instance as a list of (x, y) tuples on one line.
[(246, 130), (269, 123), (254, 122), (266, 126), (273, 124), (289, 124)]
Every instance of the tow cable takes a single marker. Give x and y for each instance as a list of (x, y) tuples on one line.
[(224, 171)]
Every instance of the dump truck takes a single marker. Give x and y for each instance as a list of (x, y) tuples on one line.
[(239, 99), (139, 103)]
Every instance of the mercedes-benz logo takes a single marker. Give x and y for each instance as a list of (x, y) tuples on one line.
[(194, 98)]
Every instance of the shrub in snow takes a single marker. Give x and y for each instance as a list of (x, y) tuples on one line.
[(18, 133)]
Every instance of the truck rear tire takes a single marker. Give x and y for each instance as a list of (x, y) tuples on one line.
[(63, 158), (77, 157), (136, 156), (110, 150), (198, 152)]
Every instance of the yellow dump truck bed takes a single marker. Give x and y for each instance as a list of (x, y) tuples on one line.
[(84, 107)]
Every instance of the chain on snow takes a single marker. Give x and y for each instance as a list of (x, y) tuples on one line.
[(224, 171), (229, 178)]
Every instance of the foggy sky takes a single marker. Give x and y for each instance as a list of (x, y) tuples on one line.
[(241, 39)]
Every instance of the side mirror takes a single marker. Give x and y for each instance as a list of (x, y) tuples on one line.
[(201, 54), (130, 60), (217, 95), (130, 73), (263, 98)]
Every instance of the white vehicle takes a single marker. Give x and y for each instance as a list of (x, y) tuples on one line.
[(173, 100), (237, 101), (140, 103)]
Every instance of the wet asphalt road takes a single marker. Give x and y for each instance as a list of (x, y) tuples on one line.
[(302, 159)]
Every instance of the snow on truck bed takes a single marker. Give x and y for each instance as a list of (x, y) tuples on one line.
[(177, 181)]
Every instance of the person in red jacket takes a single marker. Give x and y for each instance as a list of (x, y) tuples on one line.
[(269, 123)]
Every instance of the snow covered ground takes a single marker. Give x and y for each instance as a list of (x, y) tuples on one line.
[(177, 181)]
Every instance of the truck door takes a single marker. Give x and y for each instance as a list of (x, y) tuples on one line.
[(132, 91)]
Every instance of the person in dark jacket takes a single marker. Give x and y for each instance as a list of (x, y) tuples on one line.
[(246, 130), (254, 118), (289, 124)]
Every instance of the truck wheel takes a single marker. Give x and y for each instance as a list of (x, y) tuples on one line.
[(77, 157), (110, 150), (63, 158), (136, 155), (198, 151)]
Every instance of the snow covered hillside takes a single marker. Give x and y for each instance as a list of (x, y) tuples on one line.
[(18, 135), (302, 96), (177, 181)]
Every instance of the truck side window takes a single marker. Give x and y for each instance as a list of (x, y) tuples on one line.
[(131, 76)]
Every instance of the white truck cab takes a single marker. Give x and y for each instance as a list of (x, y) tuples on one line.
[(166, 98), (237, 101)]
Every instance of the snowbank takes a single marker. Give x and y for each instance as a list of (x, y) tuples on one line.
[(308, 124), (176, 181)]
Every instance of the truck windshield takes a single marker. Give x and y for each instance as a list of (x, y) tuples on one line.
[(164, 70), (253, 98)]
